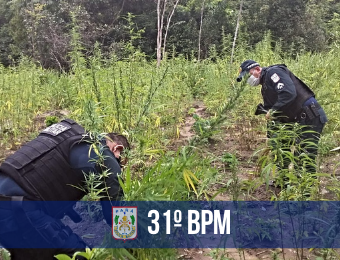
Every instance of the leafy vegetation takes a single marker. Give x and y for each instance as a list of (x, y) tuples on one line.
[(43, 29), (120, 89)]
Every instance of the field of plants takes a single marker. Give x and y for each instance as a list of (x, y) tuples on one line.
[(192, 127)]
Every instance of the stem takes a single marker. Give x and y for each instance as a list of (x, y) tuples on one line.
[(236, 30), (200, 33)]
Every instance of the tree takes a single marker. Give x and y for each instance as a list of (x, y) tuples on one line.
[(162, 9), (236, 31), (200, 32), (6, 40), (294, 22)]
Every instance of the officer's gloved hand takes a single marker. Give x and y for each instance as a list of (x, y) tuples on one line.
[(260, 110)]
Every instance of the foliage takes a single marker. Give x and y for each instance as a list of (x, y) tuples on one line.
[(234, 183), (50, 120), (202, 128), (4, 254), (98, 253), (230, 161), (286, 161), (170, 178), (44, 30), (106, 93)]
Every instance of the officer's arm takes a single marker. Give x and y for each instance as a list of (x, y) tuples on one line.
[(284, 87), (113, 191)]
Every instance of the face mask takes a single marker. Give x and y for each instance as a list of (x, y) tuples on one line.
[(252, 81)]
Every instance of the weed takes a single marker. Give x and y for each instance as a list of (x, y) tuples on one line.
[(4, 254), (220, 254), (202, 128), (285, 160), (131, 96), (233, 185), (50, 120)]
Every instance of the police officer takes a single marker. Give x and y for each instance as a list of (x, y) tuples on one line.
[(47, 169), (290, 99)]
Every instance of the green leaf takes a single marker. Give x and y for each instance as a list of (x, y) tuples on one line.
[(62, 257), (83, 254)]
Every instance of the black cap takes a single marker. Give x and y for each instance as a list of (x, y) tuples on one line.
[(245, 67)]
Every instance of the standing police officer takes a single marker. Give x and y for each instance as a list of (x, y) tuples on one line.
[(286, 96), (47, 169)]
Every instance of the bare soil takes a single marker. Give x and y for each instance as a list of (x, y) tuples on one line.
[(242, 139)]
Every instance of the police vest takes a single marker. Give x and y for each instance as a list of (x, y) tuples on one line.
[(41, 166), (292, 110)]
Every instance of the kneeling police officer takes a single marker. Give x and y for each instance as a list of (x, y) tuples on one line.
[(49, 168)]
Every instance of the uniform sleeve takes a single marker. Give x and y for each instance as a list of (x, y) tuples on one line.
[(282, 84), (80, 159), (114, 191)]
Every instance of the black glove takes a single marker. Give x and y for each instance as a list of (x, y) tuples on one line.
[(260, 110)]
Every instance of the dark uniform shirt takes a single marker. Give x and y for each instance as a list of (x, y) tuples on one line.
[(278, 88), (83, 159), (80, 159)]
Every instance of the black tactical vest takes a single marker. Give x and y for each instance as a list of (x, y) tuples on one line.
[(292, 110), (41, 167)]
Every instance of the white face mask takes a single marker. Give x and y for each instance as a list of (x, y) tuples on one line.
[(252, 81)]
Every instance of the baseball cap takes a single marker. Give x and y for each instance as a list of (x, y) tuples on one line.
[(245, 67)]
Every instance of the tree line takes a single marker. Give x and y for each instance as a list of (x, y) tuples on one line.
[(48, 30)]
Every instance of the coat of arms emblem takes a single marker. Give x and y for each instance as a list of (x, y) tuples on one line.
[(124, 223)]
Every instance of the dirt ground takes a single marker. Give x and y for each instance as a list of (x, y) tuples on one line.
[(242, 140), (236, 139)]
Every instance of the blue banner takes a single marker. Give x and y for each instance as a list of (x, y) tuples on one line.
[(160, 224)]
